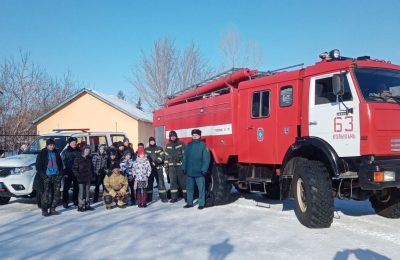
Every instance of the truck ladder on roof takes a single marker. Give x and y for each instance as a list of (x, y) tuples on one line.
[(221, 80)]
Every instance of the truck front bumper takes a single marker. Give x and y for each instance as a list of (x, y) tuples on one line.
[(369, 167)]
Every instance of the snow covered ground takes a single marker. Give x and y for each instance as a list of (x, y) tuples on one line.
[(247, 228)]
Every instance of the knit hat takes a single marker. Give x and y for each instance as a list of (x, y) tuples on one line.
[(196, 131), (140, 151), (173, 133), (86, 147), (72, 139), (115, 166), (113, 152), (152, 139), (126, 152), (50, 141), (126, 139)]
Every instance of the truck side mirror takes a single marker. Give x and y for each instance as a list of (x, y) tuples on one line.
[(338, 84)]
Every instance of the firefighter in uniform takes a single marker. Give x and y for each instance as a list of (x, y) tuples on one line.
[(173, 159), (155, 154)]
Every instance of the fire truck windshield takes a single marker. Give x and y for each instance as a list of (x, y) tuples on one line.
[(379, 85)]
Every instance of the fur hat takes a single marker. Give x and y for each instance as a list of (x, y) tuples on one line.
[(196, 131), (72, 139), (50, 141)]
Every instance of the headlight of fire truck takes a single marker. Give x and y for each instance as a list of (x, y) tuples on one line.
[(334, 54)]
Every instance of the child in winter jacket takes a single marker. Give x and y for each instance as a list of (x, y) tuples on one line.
[(141, 171), (126, 169), (83, 170)]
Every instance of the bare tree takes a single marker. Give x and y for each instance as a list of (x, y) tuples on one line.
[(166, 70), (238, 54), (28, 91)]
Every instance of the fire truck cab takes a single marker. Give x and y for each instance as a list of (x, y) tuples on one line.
[(328, 130)]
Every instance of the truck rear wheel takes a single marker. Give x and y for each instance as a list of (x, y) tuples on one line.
[(4, 200), (219, 189), (313, 194), (386, 203)]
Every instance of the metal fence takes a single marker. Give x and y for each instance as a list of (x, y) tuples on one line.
[(13, 142)]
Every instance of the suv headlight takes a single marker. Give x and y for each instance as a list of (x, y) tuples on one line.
[(20, 170)]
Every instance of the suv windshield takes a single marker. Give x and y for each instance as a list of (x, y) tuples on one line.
[(379, 85), (40, 143)]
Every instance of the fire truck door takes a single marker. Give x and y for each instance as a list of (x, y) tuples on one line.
[(258, 125), (330, 120)]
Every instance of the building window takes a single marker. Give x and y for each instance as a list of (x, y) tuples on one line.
[(260, 104), (286, 96)]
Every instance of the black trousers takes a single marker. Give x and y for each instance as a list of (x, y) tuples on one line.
[(132, 191), (98, 181), (69, 181)]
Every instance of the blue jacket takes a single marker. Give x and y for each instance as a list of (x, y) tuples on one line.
[(196, 159)]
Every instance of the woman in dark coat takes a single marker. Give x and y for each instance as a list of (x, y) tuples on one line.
[(83, 170)]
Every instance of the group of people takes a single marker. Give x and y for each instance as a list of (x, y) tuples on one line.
[(122, 173)]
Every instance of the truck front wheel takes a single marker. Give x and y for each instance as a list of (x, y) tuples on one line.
[(219, 189), (4, 200), (386, 203), (313, 194)]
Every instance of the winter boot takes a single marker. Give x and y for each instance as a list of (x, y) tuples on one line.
[(45, 213), (53, 211), (144, 204), (81, 209), (133, 202), (163, 197), (88, 207), (149, 197), (65, 205)]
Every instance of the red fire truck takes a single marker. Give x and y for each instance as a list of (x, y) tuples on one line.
[(328, 130)]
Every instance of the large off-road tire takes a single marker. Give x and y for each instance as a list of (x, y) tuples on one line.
[(4, 200), (313, 194), (386, 203), (219, 190), (39, 199)]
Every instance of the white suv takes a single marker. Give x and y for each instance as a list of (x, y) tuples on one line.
[(18, 172)]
